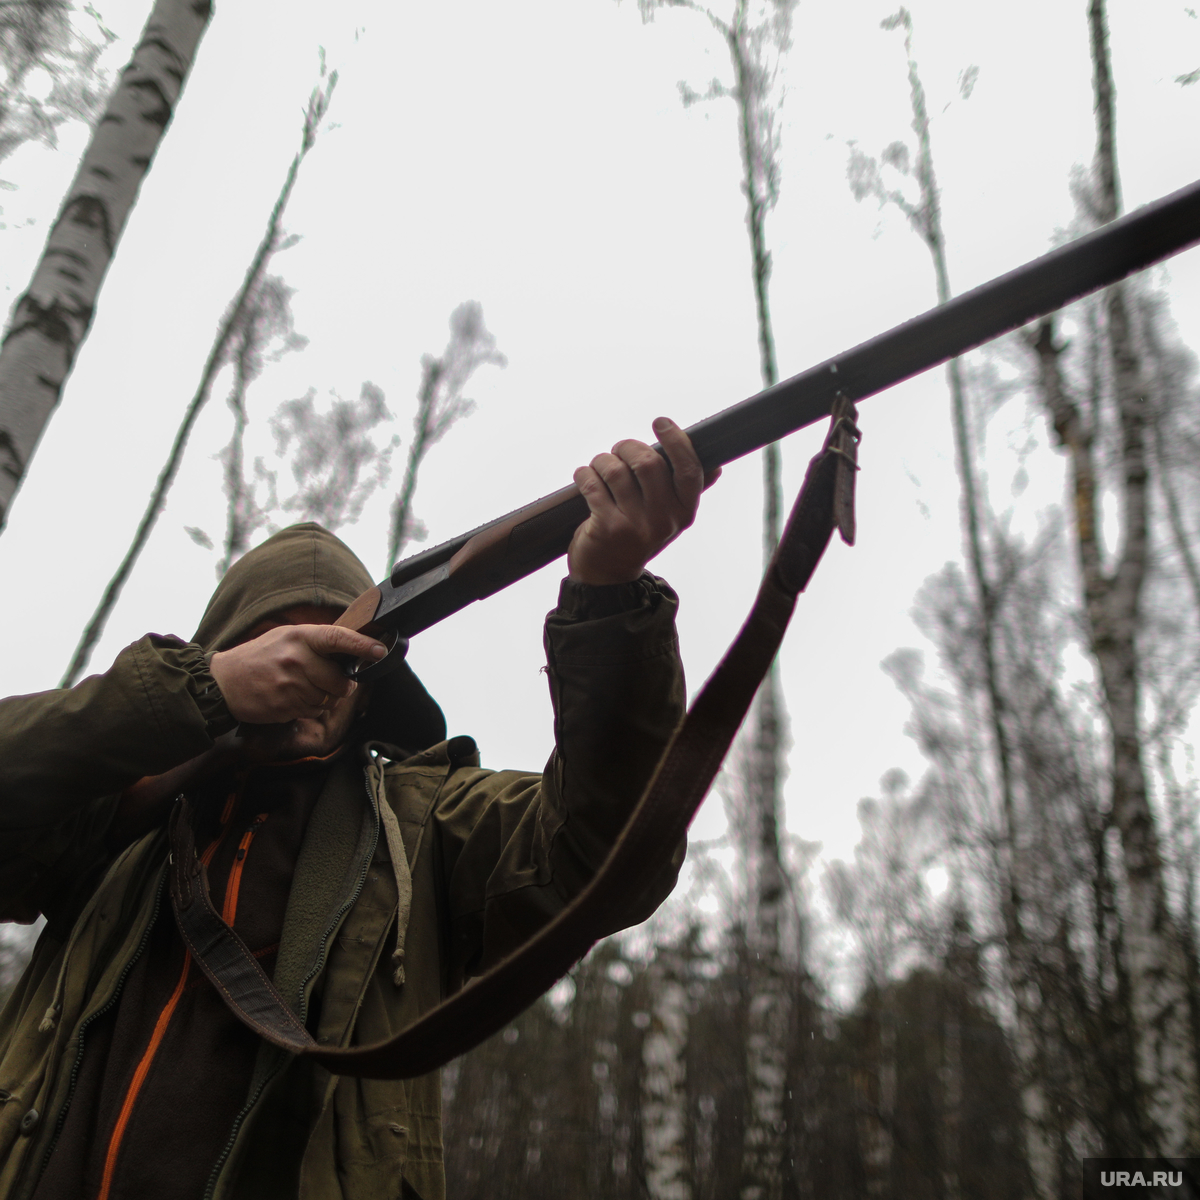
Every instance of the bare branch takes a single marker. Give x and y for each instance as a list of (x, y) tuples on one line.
[(440, 403), (266, 320)]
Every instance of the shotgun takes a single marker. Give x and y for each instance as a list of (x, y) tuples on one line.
[(430, 586)]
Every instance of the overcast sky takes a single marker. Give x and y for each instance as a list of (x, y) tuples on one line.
[(536, 157)]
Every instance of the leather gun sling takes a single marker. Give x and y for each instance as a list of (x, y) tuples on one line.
[(680, 782)]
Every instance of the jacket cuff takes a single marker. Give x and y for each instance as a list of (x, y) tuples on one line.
[(617, 623), (589, 602), (202, 687)]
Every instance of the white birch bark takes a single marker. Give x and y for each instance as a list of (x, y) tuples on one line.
[(50, 321), (768, 1020), (769, 1013), (1035, 1108), (664, 1083), (757, 37), (1165, 1063), (925, 217)]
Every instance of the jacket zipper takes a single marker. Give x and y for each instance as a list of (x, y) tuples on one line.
[(234, 883), (318, 963), (74, 1079)]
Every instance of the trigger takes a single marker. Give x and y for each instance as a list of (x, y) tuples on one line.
[(362, 671)]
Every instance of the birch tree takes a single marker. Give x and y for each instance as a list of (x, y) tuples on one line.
[(1068, 1020), (50, 321), (924, 213), (1079, 1040), (757, 36), (664, 1077), (1112, 584)]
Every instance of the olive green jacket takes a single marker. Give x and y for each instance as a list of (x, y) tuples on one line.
[(493, 855)]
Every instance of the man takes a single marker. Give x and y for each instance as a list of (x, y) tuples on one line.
[(370, 865)]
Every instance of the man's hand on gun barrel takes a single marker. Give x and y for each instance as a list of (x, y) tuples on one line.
[(640, 502)]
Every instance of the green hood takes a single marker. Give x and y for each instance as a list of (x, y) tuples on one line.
[(306, 564)]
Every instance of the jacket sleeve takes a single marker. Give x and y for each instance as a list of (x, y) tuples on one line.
[(516, 848), (65, 756)]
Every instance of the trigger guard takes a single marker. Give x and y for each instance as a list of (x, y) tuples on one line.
[(364, 672)]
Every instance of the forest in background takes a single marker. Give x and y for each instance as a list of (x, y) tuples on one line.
[(1020, 922)]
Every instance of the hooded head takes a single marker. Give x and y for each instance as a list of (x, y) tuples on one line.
[(305, 564)]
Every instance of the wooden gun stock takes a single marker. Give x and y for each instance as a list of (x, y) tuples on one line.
[(430, 586)]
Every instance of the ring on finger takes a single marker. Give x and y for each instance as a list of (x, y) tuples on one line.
[(324, 701)]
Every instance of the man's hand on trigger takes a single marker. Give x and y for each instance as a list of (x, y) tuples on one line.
[(288, 672), (639, 502)]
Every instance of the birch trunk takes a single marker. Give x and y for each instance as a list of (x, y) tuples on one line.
[(1163, 466), (51, 320), (926, 218), (1035, 1112), (769, 1011), (664, 1082), (1164, 1055), (755, 50), (1162, 1039)]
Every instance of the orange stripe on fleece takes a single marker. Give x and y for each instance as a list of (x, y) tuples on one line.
[(143, 1067), (139, 1077), (207, 856)]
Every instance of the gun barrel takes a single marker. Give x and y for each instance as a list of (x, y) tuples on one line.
[(489, 558)]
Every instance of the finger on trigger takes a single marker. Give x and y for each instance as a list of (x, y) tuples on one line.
[(327, 640)]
